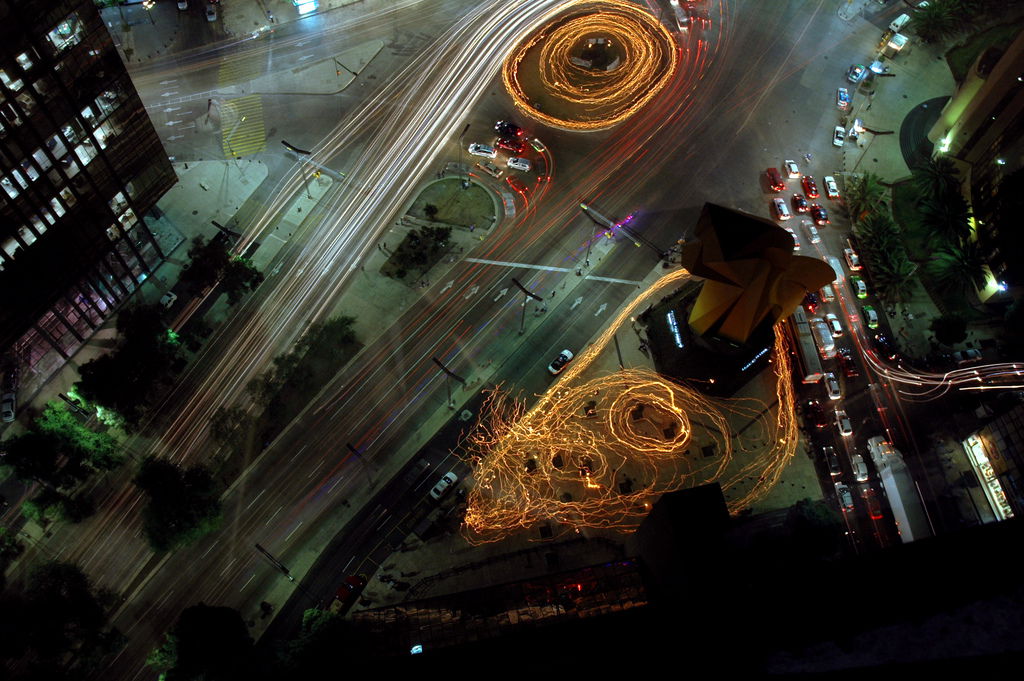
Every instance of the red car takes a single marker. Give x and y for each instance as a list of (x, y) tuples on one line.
[(516, 146), (819, 214), (874, 505), (810, 188), (799, 203), (775, 180), (348, 594)]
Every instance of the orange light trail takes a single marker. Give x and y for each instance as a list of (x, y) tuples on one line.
[(555, 462), (600, 99)]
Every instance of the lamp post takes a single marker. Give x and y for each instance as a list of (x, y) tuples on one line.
[(148, 5), (465, 180)]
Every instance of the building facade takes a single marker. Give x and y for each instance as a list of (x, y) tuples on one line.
[(80, 165)]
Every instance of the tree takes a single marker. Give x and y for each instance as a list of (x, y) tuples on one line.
[(50, 505), (183, 505), (39, 457), (947, 219), (207, 644), (958, 269), (949, 329), (430, 210), (62, 609), (240, 276), (10, 547), (863, 195), (101, 451), (323, 638), (936, 177), (894, 278), (935, 22)]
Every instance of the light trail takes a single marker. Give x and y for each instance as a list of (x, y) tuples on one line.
[(565, 458)]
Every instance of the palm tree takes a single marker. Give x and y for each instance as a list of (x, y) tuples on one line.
[(877, 234), (958, 269), (936, 22), (936, 177), (947, 219), (893, 278), (863, 194)]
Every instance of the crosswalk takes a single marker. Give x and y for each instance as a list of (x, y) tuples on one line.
[(242, 130)]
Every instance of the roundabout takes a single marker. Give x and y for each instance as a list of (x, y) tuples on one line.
[(592, 67)]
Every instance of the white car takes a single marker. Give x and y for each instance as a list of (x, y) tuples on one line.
[(843, 423), (833, 325), (781, 209), (560, 362), (211, 13), (491, 169), (796, 239), (517, 163), (831, 188), (839, 136), (842, 98), (443, 485), (812, 231), (183, 5), (852, 259), (844, 496), (482, 150), (832, 386), (791, 170)]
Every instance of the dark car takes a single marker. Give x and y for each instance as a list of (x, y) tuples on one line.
[(832, 461), (775, 181), (856, 73), (815, 413), (508, 131), (516, 146), (819, 214), (560, 362), (884, 346), (810, 188), (847, 363), (799, 203), (811, 302), (347, 594)]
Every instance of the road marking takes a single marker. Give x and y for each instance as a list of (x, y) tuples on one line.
[(448, 286), (255, 499), (313, 472), (172, 108), (273, 516), (576, 303), (168, 82), (613, 280), (472, 292), (293, 531), (228, 566), (524, 265), (604, 306), (242, 130), (172, 122), (251, 577), (501, 293), (305, 57), (209, 549)]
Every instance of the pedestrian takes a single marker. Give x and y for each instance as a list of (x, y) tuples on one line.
[(385, 246), (553, 294), (472, 227)]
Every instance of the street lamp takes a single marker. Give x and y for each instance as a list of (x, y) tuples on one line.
[(148, 5), (465, 180)]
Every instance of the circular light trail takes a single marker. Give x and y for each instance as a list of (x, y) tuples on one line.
[(595, 453), (542, 68)]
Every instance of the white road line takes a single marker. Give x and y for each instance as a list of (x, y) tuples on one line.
[(293, 531), (273, 516), (251, 577), (209, 549), (523, 265), (613, 280), (228, 566), (254, 500)]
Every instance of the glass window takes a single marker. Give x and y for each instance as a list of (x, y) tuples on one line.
[(66, 34), (68, 196), (14, 84), (25, 60), (9, 187), (58, 207)]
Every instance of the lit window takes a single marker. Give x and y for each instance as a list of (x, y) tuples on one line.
[(25, 60), (66, 34), (15, 84), (9, 187), (58, 208), (68, 196)]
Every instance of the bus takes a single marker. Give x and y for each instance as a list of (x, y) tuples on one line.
[(807, 352)]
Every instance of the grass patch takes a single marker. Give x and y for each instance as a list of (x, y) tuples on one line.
[(961, 57), (455, 205), (419, 251)]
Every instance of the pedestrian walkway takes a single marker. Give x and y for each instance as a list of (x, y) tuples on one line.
[(242, 129)]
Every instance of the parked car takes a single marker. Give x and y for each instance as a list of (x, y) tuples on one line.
[(969, 356), (517, 185), (444, 485), (831, 188), (559, 363), (873, 502), (860, 469), (870, 316), (482, 150), (843, 98), (516, 146), (860, 289), (796, 238), (168, 299), (838, 136), (8, 407), (884, 346), (810, 189), (843, 423), (508, 130), (852, 259), (856, 73), (834, 469), (211, 13), (811, 302), (815, 414), (183, 5), (847, 363)]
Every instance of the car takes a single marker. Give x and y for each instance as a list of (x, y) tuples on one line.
[(843, 423), (796, 239), (856, 73), (183, 5), (681, 16), (815, 414), (844, 497), (834, 325), (775, 181), (508, 130), (517, 163), (168, 299), (347, 594), (516, 146), (799, 203), (873, 502), (831, 188), (860, 289), (8, 407), (211, 13), (517, 185), (819, 214), (838, 136), (491, 169), (884, 346), (792, 171), (810, 189), (832, 461), (811, 302), (969, 356), (559, 363), (860, 469), (444, 485), (847, 363), (812, 231), (837, 267), (781, 211), (832, 386), (852, 259), (482, 150), (870, 316), (843, 98)]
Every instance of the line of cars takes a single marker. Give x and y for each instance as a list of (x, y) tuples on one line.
[(799, 201)]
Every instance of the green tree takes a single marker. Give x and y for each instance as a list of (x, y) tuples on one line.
[(183, 505), (10, 547), (240, 276), (895, 279), (957, 270), (864, 194), (101, 451), (208, 644), (936, 177), (947, 219), (39, 457), (949, 329), (936, 22), (50, 505)]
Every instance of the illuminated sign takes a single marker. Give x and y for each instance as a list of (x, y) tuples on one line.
[(674, 326), (756, 357)]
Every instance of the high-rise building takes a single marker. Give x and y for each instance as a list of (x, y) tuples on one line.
[(80, 165)]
